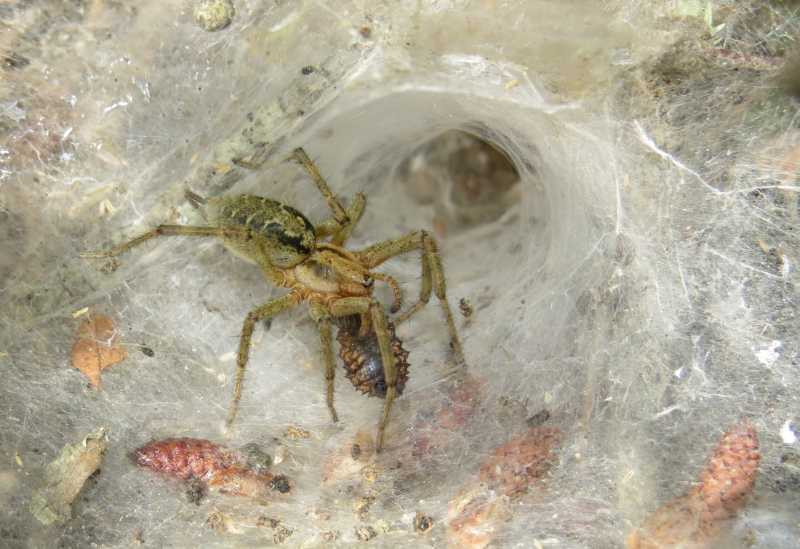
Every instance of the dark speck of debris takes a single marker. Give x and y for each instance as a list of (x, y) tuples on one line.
[(264, 521), (195, 492), (257, 459), (281, 484), (355, 452), (307, 70), (147, 351), (422, 523), (365, 32), (14, 61), (465, 307), (538, 418)]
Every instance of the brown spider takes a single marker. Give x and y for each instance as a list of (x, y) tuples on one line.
[(334, 281)]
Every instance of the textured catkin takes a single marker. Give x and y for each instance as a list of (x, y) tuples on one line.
[(217, 467), (523, 460), (185, 458), (696, 519), (730, 473)]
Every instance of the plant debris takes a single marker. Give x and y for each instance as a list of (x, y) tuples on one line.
[(422, 523), (65, 476), (211, 465), (520, 462), (97, 347), (697, 518)]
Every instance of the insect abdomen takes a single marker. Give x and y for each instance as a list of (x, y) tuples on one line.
[(362, 358)]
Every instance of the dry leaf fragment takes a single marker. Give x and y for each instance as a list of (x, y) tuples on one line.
[(294, 432), (65, 476), (474, 517), (97, 347)]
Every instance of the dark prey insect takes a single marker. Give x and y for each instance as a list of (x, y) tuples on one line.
[(361, 355), (312, 263)]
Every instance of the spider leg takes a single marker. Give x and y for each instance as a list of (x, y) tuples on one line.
[(349, 267), (341, 232), (397, 292), (320, 314), (267, 310), (433, 279), (389, 366), (343, 221), (333, 203), (360, 305), (171, 230), (354, 213)]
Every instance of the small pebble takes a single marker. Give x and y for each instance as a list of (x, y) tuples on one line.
[(281, 484), (214, 15), (281, 534), (366, 533), (422, 523)]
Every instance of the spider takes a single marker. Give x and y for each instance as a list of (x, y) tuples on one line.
[(316, 268)]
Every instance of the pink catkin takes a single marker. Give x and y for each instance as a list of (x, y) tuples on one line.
[(216, 466), (185, 458), (521, 461), (697, 518)]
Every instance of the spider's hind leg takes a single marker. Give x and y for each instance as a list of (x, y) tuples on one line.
[(323, 319), (361, 305), (433, 279), (267, 310)]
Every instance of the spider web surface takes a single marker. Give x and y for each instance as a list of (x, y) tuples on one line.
[(637, 294)]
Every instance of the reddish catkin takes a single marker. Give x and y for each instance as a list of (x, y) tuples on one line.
[(730, 474), (697, 518), (185, 458), (521, 461), (216, 466)]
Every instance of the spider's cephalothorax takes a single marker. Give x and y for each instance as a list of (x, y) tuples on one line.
[(362, 357), (313, 264)]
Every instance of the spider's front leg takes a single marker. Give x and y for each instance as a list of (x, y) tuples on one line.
[(360, 305), (267, 310), (343, 221), (170, 230)]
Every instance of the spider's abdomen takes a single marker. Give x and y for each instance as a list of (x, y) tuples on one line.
[(362, 358), (282, 235)]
